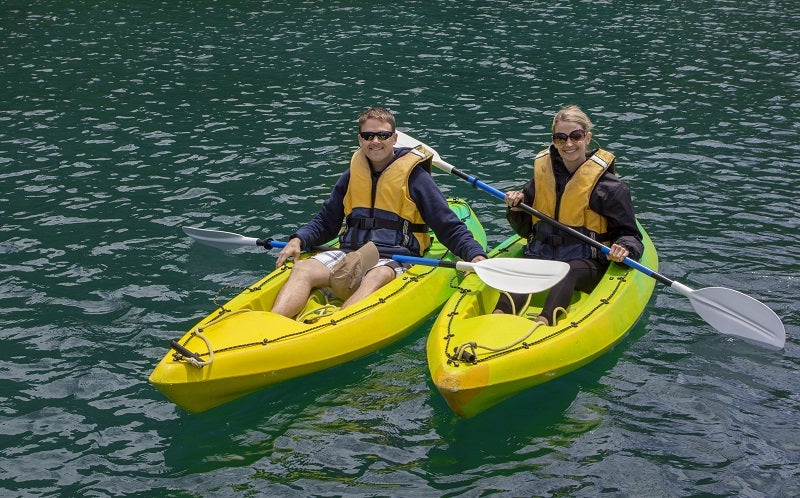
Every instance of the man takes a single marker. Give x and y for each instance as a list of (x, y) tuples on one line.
[(386, 198)]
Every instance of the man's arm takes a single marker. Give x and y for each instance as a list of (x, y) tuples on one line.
[(450, 230)]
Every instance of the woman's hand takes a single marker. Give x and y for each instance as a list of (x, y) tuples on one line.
[(513, 198), (617, 253)]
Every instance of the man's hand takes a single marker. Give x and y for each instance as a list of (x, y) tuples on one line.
[(291, 250)]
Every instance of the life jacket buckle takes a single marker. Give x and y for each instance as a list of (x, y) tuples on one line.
[(367, 223)]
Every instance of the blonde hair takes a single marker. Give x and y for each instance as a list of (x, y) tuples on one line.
[(378, 113), (573, 114)]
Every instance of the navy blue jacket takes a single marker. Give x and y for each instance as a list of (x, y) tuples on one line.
[(433, 207), (610, 198)]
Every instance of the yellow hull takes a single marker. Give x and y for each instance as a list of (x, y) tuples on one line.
[(508, 360), (254, 348)]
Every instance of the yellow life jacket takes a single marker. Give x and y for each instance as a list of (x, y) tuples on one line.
[(573, 208), (384, 212)]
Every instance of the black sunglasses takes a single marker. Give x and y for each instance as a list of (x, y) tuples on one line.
[(382, 135), (561, 138)]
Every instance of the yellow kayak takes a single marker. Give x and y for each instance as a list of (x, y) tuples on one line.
[(506, 354), (241, 347)]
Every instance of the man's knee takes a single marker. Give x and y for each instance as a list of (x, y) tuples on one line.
[(311, 271), (379, 276)]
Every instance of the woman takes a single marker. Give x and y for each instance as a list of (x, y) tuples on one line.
[(578, 188)]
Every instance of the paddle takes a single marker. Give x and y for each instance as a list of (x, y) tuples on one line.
[(506, 274), (727, 310), (228, 240)]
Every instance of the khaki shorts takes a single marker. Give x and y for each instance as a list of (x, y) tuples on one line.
[(348, 269)]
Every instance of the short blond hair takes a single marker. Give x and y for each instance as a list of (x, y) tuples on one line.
[(573, 114), (378, 113)]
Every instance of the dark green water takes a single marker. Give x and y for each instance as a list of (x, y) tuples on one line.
[(120, 122)]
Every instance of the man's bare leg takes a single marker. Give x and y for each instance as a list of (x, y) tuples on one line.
[(306, 275), (372, 281)]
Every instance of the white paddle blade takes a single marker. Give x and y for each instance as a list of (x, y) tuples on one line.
[(404, 140), (518, 275), (737, 314), (218, 239)]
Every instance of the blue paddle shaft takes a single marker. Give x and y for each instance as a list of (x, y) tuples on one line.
[(271, 244), (414, 260)]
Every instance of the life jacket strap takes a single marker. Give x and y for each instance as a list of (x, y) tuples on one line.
[(373, 223), (565, 240)]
